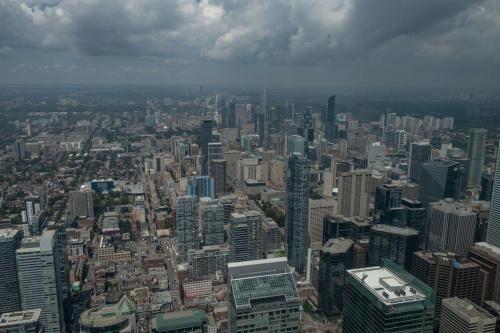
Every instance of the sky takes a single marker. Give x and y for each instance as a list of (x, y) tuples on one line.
[(416, 44)]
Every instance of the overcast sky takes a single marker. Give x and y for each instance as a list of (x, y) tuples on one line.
[(447, 44)]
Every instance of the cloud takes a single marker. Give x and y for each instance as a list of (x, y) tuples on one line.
[(397, 36)]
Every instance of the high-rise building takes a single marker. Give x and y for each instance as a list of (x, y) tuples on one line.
[(20, 149), (212, 217), (439, 179), (186, 225), (81, 202), (398, 140), (449, 275), (475, 153), (39, 283), (388, 203), (493, 234), (201, 186), (318, 210), (386, 299), (354, 193), (297, 209), (263, 297), (218, 171), (376, 156), (330, 120), (206, 262), (461, 315), (451, 226), (295, 144), (245, 236), (394, 243), (487, 256), (21, 321), (419, 153), (215, 151), (271, 236), (205, 138), (486, 187), (335, 257), (10, 241)]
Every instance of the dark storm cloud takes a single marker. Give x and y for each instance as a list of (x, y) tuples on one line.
[(359, 40)]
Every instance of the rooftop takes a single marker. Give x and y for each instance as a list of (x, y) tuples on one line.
[(486, 247), (245, 290), (337, 245), (388, 287), (395, 230), (179, 320), (7, 234), (20, 317), (468, 310)]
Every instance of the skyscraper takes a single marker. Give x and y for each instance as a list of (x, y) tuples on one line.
[(335, 257), (38, 281), (461, 315), (394, 243), (212, 217), (205, 138), (354, 195), (206, 262), (475, 153), (382, 299), (215, 151), (295, 144), (439, 179), (245, 236), (398, 140), (186, 225), (10, 241), (493, 234), (263, 297), (376, 156), (297, 208), (201, 186), (451, 226), (419, 153), (318, 210), (218, 171), (449, 275), (330, 120)]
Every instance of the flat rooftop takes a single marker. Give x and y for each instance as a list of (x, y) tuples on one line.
[(468, 310), (492, 249), (389, 288), (19, 317), (337, 245), (390, 229)]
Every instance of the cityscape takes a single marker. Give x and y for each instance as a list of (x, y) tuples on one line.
[(234, 203)]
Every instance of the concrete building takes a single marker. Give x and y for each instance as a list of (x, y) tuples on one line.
[(39, 284), (297, 209), (318, 210), (245, 236), (21, 322), (271, 236), (10, 241), (449, 275), (376, 156), (354, 193), (81, 202), (212, 217), (381, 299), (263, 297), (335, 257), (394, 243), (186, 225), (206, 262), (487, 256), (463, 316), (451, 226)]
